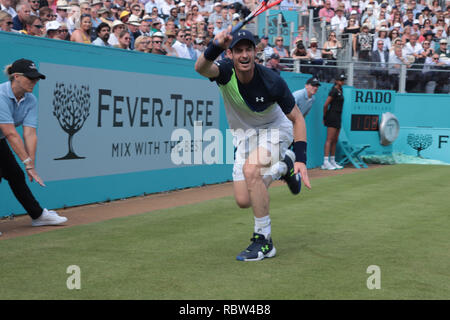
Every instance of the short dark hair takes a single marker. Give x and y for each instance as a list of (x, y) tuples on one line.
[(101, 26)]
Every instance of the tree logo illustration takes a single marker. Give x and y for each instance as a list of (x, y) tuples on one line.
[(71, 106), (419, 142)]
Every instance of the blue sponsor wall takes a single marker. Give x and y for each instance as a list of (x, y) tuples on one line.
[(58, 194), (78, 191), (424, 126)]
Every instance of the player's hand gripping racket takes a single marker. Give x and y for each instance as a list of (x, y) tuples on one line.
[(263, 6)]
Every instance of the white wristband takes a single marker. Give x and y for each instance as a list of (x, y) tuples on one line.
[(27, 160)]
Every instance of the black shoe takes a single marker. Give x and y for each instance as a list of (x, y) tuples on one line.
[(293, 180), (259, 249)]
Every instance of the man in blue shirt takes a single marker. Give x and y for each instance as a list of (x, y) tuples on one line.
[(18, 107), (305, 97)]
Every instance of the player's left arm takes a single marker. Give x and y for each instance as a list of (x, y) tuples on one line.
[(299, 144)]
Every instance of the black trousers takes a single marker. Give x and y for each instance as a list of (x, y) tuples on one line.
[(13, 173)]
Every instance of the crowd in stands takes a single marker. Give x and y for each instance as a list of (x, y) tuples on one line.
[(407, 32), (165, 27)]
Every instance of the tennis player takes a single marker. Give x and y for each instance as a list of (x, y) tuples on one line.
[(264, 119)]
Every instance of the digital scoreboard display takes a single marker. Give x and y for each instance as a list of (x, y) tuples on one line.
[(365, 122)]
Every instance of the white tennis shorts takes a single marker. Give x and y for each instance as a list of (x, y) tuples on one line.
[(276, 141)]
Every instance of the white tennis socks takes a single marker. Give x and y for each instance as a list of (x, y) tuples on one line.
[(263, 226)]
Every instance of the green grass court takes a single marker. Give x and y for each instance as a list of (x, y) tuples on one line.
[(396, 217)]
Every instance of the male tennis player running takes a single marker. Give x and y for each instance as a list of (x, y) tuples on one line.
[(262, 114)]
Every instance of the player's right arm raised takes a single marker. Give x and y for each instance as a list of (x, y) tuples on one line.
[(205, 63)]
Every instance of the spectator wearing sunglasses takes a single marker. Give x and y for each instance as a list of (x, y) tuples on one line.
[(6, 22), (157, 40), (142, 44), (117, 28), (180, 45), (169, 40), (46, 14), (34, 4), (52, 30), (61, 11), (64, 32), (33, 26)]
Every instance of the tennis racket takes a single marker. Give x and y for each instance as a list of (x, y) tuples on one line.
[(263, 6)]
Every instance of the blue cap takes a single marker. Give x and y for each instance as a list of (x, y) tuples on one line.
[(242, 35)]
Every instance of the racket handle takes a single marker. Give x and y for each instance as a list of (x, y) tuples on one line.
[(237, 27)]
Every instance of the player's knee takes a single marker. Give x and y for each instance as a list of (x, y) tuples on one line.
[(251, 172), (243, 202)]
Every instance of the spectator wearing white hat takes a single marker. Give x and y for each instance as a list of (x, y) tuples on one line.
[(52, 30), (62, 8), (145, 27), (157, 44), (117, 27), (235, 18), (443, 48), (98, 4), (382, 35), (133, 24)]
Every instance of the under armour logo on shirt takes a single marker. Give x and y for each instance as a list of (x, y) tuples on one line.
[(261, 99)]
